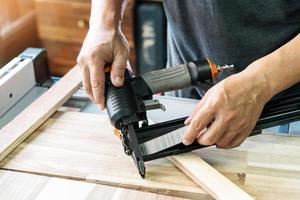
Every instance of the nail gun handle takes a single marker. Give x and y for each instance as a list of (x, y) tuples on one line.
[(179, 77)]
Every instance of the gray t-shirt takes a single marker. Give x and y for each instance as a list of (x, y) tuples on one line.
[(228, 31)]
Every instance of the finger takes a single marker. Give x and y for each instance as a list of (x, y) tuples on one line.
[(97, 80), (213, 133), (199, 122), (198, 106), (237, 141), (86, 81), (201, 132), (118, 69), (226, 139)]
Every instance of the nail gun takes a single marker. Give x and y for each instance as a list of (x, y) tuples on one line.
[(127, 108)]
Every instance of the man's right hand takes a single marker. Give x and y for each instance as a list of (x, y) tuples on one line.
[(102, 47)]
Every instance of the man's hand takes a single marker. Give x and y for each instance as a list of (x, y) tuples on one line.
[(228, 112), (100, 48), (104, 44)]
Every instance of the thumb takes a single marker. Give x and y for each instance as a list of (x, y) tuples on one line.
[(118, 69)]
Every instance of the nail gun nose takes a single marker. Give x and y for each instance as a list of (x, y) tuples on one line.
[(215, 69), (225, 67)]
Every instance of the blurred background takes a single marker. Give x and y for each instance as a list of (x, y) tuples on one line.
[(60, 26)]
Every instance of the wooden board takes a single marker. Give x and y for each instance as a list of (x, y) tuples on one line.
[(15, 132), (207, 177), (22, 186), (82, 146)]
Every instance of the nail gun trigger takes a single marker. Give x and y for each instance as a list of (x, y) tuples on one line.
[(153, 104)]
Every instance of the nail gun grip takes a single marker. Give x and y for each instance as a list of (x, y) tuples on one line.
[(178, 77)]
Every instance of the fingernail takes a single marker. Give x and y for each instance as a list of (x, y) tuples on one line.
[(100, 106), (185, 141), (119, 80), (187, 121)]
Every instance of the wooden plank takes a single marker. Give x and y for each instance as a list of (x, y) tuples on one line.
[(81, 146), (22, 186), (15, 132), (208, 178)]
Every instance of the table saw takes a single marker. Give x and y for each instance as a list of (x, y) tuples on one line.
[(74, 155)]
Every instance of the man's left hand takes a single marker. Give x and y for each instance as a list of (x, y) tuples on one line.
[(228, 112)]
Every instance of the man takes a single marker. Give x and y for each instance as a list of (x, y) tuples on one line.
[(261, 38)]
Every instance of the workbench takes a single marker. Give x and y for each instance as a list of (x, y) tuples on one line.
[(51, 151), (74, 155)]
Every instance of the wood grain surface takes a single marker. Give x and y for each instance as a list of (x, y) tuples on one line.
[(81, 146), (266, 166), (23, 186)]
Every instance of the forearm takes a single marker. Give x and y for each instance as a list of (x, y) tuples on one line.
[(107, 14), (279, 69)]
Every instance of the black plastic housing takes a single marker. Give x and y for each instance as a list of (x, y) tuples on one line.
[(125, 104), (120, 103)]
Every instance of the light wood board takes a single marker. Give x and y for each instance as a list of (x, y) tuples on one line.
[(15, 132), (82, 146), (23, 186), (207, 177)]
